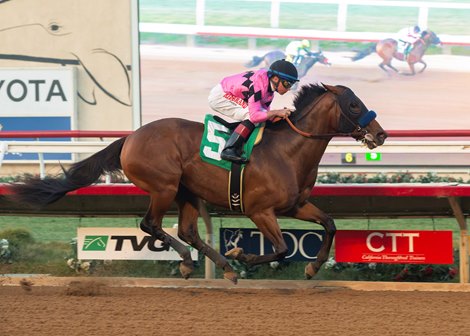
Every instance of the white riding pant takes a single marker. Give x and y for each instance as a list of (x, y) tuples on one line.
[(227, 104)]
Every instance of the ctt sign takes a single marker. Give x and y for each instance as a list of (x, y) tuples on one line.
[(124, 244), (400, 247), (303, 245)]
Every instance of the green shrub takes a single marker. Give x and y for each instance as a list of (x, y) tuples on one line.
[(18, 238)]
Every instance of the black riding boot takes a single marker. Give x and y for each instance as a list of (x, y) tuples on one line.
[(234, 146)]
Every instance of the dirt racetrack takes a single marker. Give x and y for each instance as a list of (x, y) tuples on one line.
[(177, 81), (90, 307)]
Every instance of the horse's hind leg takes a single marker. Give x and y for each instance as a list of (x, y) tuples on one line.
[(188, 205), (152, 224), (311, 213), (385, 64), (392, 67)]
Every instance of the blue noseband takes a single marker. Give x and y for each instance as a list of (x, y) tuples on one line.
[(367, 118)]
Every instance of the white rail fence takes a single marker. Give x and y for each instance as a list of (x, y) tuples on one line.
[(335, 147), (340, 34)]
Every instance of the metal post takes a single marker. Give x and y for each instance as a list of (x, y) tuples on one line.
[(423, 17), (463, 254), (3, 150), (463, 246), (200, 9), (135, 46), (42, 166), (209, 265), (275, 9), (252, 43), (342, 16)]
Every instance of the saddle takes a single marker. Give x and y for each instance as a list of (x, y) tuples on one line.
[(216, 133), (401, 50), (229, 125)]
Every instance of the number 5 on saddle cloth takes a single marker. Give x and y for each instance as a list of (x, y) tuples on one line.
[(216, 135), (213, 142)]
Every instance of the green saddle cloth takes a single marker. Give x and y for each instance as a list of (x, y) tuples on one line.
[(213, 142)]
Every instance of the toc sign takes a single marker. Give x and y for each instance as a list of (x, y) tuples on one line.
[(27, 92), (399, 247), (303, 245)]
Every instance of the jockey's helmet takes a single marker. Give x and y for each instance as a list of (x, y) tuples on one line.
[(284, 70), (305, 43), (416, 29)]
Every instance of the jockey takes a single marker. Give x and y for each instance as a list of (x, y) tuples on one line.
[(247, 97), (296, 51), (409, 36)]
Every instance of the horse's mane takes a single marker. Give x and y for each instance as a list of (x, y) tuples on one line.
[(306, 95)]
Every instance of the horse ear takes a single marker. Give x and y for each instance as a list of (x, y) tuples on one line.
[(331, 88)]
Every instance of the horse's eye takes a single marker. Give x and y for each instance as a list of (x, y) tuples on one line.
[(354, 105)]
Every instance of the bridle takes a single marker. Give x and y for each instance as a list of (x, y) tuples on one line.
[(358, 130)]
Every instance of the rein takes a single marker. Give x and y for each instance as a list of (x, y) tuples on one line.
[(314, 136), (357, 127)]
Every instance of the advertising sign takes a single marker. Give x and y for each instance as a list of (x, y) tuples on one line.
[(26, 92), (103, 52), (36, 100), (396, 247), (124, 244), (303, 245)]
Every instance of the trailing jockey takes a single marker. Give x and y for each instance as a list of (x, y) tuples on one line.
[(408, 36)]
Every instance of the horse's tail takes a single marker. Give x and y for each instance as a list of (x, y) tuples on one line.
[(363, 53), (254, 62), (37, 192)]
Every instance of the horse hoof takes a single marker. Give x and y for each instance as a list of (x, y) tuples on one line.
[(232, 276), (234, 253), (186, 270), (310, 271)]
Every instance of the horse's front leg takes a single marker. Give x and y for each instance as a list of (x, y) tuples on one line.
[(424, 66), (266, 222), (309, 212), (412, 70)]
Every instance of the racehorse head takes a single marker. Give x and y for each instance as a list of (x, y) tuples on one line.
[(320, 57), (348, 116), (429, 37), (310, 60)]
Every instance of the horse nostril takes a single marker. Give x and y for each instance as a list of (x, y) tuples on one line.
[(381, 136)]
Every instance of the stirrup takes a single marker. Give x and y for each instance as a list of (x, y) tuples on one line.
[(230, 155)]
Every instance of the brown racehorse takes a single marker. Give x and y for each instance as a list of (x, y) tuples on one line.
[(163, 159), (387, 50)]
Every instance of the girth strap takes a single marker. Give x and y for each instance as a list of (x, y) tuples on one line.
[(235, 187)]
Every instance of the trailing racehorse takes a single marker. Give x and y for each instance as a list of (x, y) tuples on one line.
[(387, 50), (307, 62), (163, 159)]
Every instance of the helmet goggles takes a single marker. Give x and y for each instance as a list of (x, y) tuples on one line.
[(283, 76)]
